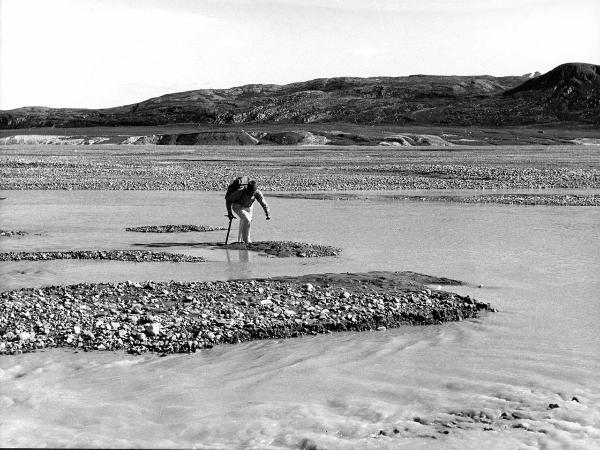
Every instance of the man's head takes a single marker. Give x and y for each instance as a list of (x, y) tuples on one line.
[(251, 187)]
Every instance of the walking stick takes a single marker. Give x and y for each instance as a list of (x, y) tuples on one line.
[(228, 229)]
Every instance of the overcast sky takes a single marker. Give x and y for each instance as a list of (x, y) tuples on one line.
[(101, 53)]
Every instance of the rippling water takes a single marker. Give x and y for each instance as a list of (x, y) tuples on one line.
[(441, 386)]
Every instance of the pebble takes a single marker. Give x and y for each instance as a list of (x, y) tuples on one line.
[(153, 329), (24, 336)]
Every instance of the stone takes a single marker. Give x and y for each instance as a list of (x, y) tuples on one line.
[(152, 329), (309, 287), (10, 336), (25, 336), (77, 329), (345, 294), (266, 302)]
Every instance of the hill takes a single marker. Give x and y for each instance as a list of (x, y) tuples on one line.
[(569, 92)]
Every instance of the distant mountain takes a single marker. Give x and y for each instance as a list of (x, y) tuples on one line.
[(570, 92)]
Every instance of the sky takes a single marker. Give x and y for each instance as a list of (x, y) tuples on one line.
[(103, 53)]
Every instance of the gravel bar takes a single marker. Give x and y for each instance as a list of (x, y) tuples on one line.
[(178, 317), (11, 233), (281, 249), (506, 199), (173, 228), (112, 255), (212, 168), (517, 199)]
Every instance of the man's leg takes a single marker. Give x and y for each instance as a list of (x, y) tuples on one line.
[(246, 220), (237, 209)]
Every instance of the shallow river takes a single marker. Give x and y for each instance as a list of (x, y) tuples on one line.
[(540, 266)]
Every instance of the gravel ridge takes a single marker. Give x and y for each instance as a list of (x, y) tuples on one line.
[(173, 228), (112, 255), (11, 233), (176, 317), (283, 249)]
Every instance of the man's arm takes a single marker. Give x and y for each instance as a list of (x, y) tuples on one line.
[(261, 199)]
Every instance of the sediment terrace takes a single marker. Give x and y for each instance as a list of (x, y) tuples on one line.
[(172, 317)]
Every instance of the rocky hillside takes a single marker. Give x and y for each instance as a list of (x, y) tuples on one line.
[(569, 92)]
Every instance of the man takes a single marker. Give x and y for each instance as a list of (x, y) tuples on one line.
[(241, 202)]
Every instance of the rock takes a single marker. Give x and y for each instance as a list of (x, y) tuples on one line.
[(152, 329), (25, 336), (77, 329), (345, 295), (552, 406), (10, 336), (309, 287), (266, 302)]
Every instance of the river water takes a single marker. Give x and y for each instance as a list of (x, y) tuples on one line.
[(443, 386)]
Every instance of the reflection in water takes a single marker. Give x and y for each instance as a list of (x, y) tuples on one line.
[(238, 263)]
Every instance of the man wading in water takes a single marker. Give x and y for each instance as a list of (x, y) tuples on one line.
[(241, 201)]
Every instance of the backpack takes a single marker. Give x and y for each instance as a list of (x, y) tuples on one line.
[(235, 185)]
